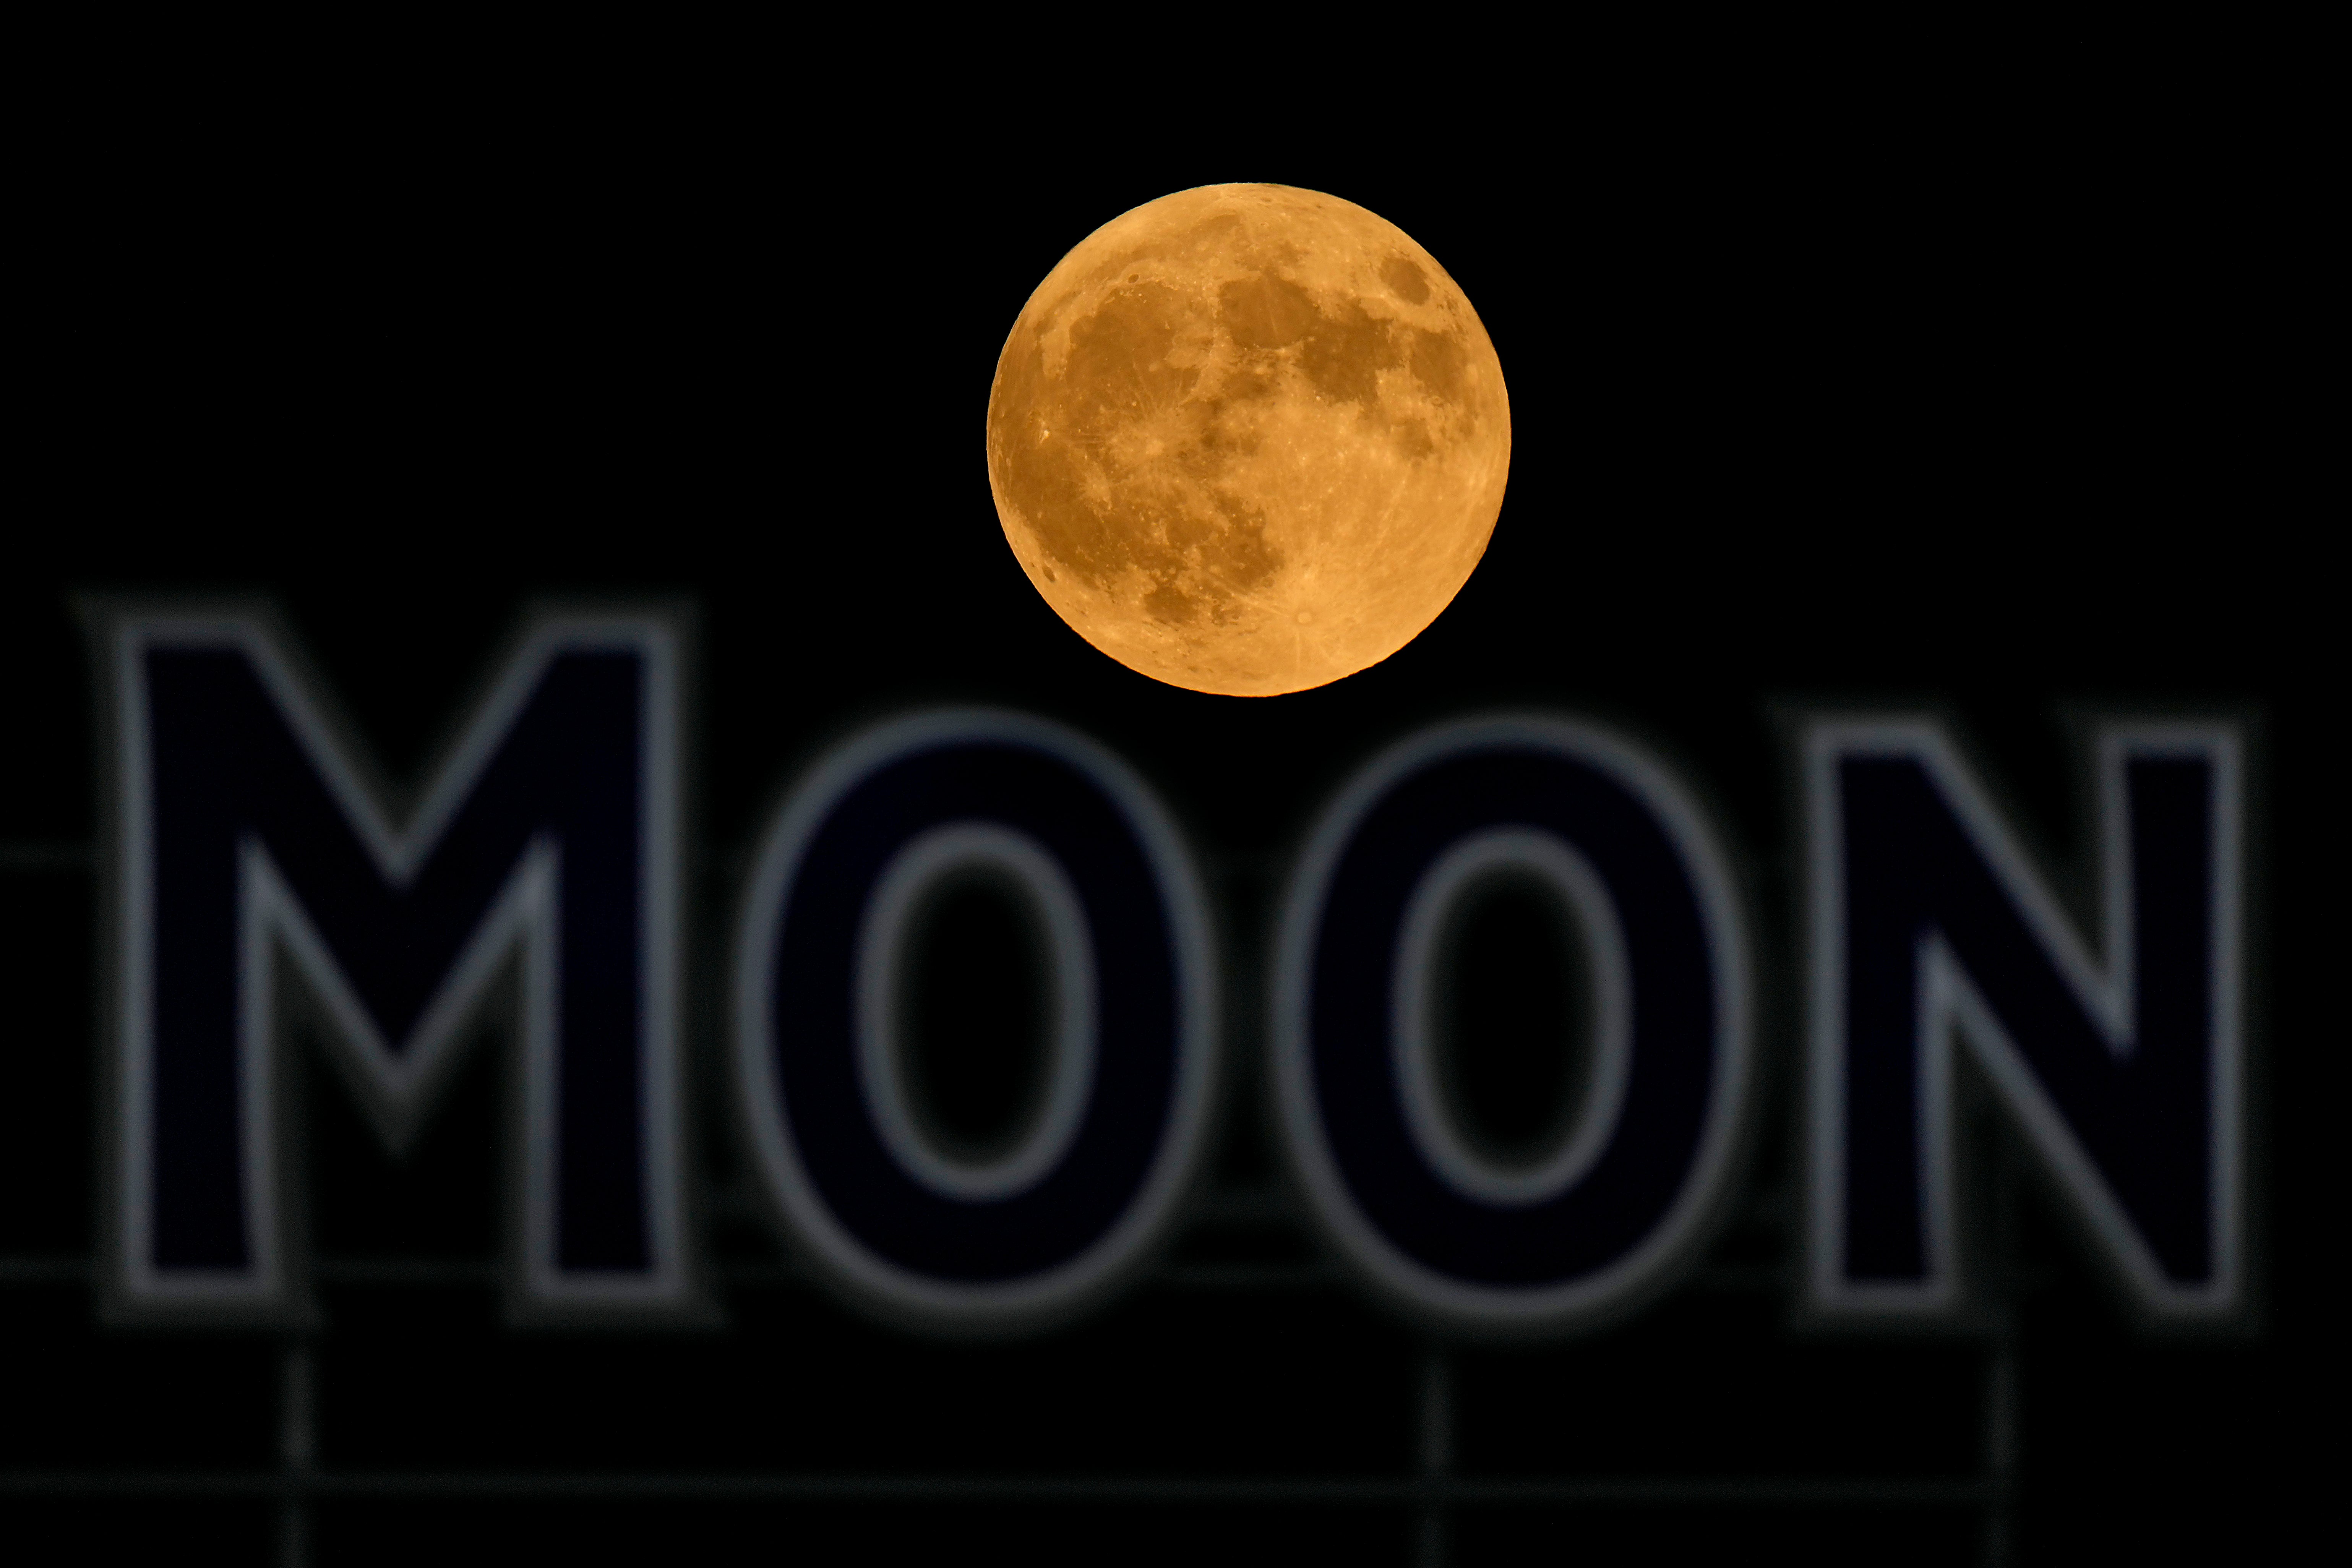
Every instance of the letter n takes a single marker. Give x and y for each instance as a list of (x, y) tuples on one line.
[(1928, 926), (244, 834)]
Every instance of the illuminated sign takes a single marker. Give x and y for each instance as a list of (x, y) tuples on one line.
[(546, 848)]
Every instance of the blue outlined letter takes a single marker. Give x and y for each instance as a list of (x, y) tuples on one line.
[(1927, 921), (1622, 1200), (904, 1227), (241, 830)]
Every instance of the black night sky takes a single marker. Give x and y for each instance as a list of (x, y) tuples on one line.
[(1966, 412)]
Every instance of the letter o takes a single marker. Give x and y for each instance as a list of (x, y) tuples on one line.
[(1051, 1224), (1624, 1199)]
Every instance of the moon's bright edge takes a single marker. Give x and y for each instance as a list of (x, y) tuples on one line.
[(1248, 439)]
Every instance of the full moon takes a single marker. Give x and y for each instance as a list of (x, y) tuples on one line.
[(1248, 439)]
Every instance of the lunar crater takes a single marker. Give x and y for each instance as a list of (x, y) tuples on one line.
[(1248, 439)]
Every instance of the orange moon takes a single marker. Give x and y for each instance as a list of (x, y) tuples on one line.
[(1248, 439)]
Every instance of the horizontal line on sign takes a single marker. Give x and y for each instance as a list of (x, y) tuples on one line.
[(45, 852), (43, 855), (425, 1272), (1633, 1491), (409, 1271), (1238, 1205)]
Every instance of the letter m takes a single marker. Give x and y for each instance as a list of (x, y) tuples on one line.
[(1930, 931), (545, 848)]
